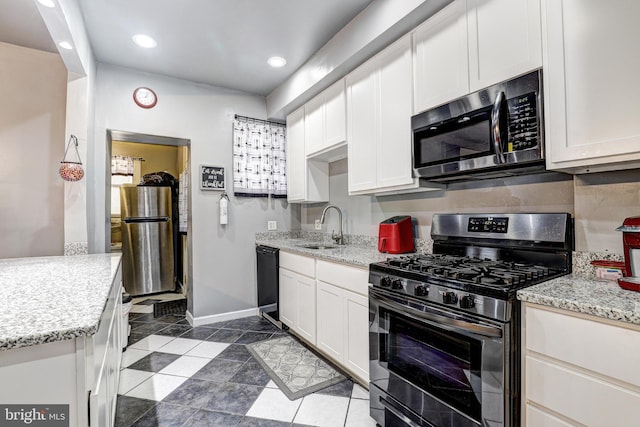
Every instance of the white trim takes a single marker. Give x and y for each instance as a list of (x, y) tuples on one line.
[(205, 320)]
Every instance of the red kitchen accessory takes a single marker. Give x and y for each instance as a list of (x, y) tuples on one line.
[(395, 235), (71, 170), (631, 246)]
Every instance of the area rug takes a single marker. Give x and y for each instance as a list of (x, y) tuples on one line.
[(176, 306), (294, 368)]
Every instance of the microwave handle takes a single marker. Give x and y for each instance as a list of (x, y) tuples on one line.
[(499, 114)]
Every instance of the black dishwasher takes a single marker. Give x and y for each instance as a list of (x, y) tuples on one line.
[(268, 283)]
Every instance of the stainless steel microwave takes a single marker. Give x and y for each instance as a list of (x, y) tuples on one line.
[(495, 132)]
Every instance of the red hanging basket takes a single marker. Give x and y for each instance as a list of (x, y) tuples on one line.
[(71, 170)]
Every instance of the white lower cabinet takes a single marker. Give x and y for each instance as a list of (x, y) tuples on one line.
[(343, 316), (579, 370), (327, 305), (297, 295)]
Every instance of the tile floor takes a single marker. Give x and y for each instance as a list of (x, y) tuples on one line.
[(177, 375)]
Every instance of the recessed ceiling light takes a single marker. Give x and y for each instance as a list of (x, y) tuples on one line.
[(276, 62), (65, 45), (144, 41), (47, 3)]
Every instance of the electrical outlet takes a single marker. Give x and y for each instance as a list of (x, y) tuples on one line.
[(272, 225), (318, 225)]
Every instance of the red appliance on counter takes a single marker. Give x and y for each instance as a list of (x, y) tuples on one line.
[(631, 245), (395, 235)]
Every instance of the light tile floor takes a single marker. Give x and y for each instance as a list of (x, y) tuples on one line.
[(177, 375)]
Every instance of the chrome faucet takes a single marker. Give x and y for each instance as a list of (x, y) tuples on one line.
[(339, 238)]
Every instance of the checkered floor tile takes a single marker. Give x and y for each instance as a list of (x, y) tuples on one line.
[(177, 375)]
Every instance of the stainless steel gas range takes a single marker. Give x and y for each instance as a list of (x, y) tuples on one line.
[(445, 327)]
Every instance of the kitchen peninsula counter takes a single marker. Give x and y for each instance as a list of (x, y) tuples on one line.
[(587, 296), (49, 299)]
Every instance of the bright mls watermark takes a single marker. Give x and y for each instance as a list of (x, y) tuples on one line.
[(34, 415)]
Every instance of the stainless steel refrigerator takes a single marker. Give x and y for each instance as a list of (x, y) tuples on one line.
[(147, 239)]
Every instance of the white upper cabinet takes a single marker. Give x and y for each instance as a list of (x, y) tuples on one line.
[(362, 128), (441, 62), (591, 90), (379, 123), (296, 176), (314, 125), (504, 40), (325, 123), (307, 181), (472, 44)]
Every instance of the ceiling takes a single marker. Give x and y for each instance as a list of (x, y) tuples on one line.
[(219, 42)]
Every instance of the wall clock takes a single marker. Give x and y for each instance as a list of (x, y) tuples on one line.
[(145, 97)]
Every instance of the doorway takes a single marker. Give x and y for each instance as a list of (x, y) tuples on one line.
[(136, 157)]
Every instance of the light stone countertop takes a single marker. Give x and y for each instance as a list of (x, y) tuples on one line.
[(578, 292), (360, 255), (586, 295), (47, 299)]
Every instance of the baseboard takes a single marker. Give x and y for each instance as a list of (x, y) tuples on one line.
[(214, 318)]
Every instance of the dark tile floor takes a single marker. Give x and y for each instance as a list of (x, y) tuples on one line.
[(177, 375)]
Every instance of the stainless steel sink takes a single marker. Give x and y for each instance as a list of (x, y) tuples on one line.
[(318, 246)]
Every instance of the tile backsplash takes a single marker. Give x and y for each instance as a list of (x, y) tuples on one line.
[(598, 202)]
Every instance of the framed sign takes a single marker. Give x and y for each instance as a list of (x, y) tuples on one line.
[(212, 178)]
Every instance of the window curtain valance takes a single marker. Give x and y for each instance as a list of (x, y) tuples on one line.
[(259, 161), (122, 165)]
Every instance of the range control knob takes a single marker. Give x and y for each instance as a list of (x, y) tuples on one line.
[(396, 284), (385, 282), (420, 291), (449, 298), (467, 301)]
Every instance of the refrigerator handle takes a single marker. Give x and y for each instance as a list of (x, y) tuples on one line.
[(139, 220)]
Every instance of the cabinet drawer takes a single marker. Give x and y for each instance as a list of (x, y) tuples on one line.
[(583, 398), (603, 348), (538, 418), (353, 279), (298, 263)]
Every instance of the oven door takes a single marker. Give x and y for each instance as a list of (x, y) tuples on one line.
[(432, 367)]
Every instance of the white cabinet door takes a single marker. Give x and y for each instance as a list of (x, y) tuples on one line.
[(306, 290), (394, 143), (440, 55), (288, 300), (356, 334), (335, 114), (379, 110), (330, 320), (307, 181), (362, 127), (504, 40), (314, 125), (296, 158), (591, 69)]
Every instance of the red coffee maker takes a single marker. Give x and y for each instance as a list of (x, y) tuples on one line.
[(631, 245)]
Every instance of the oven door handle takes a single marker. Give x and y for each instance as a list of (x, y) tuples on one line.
[(440, 321)]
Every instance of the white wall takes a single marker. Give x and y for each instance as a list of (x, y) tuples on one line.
[(32, 116), (223, 256)]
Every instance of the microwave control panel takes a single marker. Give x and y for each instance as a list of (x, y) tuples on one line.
[(523, 122)]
